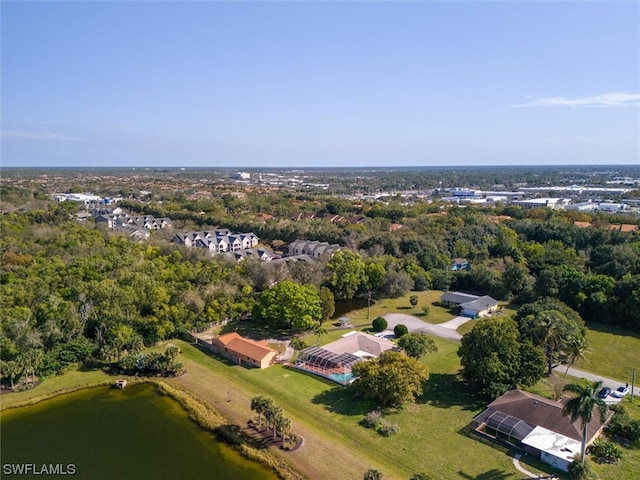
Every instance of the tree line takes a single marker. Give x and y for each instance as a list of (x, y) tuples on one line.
[(72, 293)]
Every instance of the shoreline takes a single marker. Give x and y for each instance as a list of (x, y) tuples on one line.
[(197, 409), (52, 394)]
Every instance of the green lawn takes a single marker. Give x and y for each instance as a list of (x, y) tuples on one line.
[(402, 305), (615, 352), (433, 432), (48, 387)]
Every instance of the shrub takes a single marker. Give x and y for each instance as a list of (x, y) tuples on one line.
[(373, 474), (372, 419), (604, 451), (623, 426), (426, 310), (388, 429), (63, 355), (152, 363), (579, 471), (400, 330), (379, 324), (413, 300)]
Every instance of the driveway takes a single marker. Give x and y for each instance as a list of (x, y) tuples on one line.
[(414, 324)]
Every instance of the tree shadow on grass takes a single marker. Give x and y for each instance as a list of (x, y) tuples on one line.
[(342, 400), (493, 474), (317, 378), (612, 329), (235, 435), (220, 358), (445, 390), (256, 330)]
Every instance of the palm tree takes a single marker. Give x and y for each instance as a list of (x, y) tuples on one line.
[(319, 331), (582, 405), (273, 413), (284, 426), (11, 369), (260, 405), (547, 335), (576, 349)]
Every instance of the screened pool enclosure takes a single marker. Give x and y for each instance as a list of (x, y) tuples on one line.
[(334, 366), (503, 427)]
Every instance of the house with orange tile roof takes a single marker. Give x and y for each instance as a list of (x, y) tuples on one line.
[(244, 351)]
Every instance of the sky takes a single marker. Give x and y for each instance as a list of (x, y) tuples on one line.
[(320, 84)]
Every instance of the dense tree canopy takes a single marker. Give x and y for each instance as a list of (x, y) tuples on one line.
[(71, 292), (289, 305), (552, 325), (493, 357), (392, 379), (348, 274)]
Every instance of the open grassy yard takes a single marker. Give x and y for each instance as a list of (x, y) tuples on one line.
[(402, 305), (432, 435), (615, 352)]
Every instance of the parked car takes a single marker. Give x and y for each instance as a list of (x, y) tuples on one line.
[(620, 392), (604, 392)]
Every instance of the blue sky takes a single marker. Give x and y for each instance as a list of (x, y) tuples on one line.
[(320, 83)]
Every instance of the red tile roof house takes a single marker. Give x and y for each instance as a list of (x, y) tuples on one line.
[(536, 425), (244, 351)]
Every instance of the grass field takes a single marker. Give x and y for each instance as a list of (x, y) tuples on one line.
[(402, 305), (432, 434), (615, 353)]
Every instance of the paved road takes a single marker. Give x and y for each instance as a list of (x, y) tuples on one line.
[(594, 377), (448, 330)]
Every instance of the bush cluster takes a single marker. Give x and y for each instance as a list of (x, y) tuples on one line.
[(152, 363), (580, 471), (604, 451), (63, 355), (376, 421), (624, 426)]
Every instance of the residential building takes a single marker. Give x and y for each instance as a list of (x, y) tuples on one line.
[(536, 425), (218, 241), (244, 351), (470, 305), (314, 249)]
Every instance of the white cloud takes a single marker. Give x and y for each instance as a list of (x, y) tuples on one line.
[(612, 99), (46, 136)]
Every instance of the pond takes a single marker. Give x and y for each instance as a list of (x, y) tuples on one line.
[(103, 433)]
